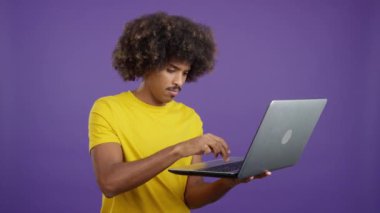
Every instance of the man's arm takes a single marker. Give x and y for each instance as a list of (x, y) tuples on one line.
[(115, 176), (199, 193)]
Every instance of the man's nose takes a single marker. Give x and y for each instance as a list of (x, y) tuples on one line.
[(179, 79)]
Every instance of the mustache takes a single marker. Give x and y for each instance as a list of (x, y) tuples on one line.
[(175, 88)]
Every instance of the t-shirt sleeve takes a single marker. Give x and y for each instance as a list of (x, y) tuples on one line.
[(101, 125), (199, 126)]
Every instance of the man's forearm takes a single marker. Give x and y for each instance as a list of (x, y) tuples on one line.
[(115, 176), (124, 176), (205, 193)]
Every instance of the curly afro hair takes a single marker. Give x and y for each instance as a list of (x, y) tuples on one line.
[(149, 43)]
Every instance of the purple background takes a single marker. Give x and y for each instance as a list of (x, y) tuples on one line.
[(56, 60)]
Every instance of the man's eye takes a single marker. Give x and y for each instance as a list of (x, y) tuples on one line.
[(170, 70), (186, 73)]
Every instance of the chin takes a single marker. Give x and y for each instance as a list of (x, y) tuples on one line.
[(168, 100), (164, 101)]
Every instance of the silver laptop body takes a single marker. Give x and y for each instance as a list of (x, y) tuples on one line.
[(278, 143)]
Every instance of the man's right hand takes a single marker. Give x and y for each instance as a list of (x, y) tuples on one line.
[(205, 144)]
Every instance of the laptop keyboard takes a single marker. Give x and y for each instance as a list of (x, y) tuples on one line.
[(229, 167)]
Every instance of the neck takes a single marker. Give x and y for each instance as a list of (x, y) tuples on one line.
[(143, 95)]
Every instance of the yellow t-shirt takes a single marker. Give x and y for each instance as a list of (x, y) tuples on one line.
[(142, 130)]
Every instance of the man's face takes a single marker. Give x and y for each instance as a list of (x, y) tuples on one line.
[(162, 86)]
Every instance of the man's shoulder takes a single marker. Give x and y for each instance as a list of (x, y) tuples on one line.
[(112, 99), (109, 101), (181, 106), (184, 108)]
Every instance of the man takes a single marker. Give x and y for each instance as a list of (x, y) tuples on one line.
[(136, 135)]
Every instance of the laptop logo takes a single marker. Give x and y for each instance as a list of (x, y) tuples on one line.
[(286, 138)]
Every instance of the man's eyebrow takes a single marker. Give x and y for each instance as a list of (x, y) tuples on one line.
[(176, 67)]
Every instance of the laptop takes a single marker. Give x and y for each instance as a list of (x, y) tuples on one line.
[(278, 143)]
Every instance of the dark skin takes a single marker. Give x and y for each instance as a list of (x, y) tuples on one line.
[(115, 175)]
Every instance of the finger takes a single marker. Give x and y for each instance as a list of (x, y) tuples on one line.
[(248, 179), (225, 154), (244, 180), (223, 147), (220, 150), (206, 149), (264, 174), (222, 142), (215, 147)]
